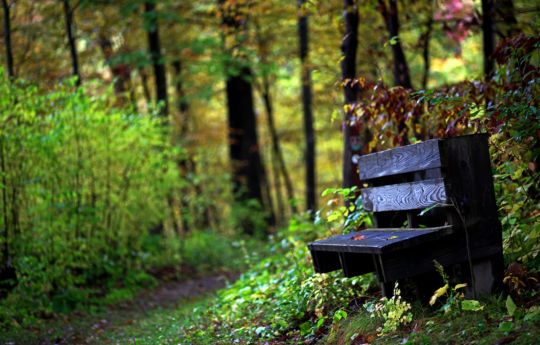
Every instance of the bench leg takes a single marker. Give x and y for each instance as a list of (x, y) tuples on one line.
[(488, 274), (387, 289)]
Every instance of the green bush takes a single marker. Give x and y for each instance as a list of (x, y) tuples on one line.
[(81, 183)]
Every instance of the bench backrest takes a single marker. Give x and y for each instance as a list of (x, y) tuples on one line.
[(453, 173)]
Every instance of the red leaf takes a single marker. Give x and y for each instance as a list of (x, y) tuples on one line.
[(358, 237)]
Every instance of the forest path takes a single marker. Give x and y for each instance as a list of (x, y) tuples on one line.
[(140, 320)]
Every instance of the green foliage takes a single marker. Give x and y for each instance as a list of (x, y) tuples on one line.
[(455, 301), (250, 217), (335, 215), (394, 311), (280, 297), (82, 182)]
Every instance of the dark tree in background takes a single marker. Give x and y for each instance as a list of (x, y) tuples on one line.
[(303, 29), (277, 161), (507, 24), (425, 38), (154, 47), (7, 39), (68, 17), (243, 142), (401, 70), (390, 16), (488, 34), (349, 48)]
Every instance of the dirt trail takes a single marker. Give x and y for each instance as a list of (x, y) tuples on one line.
[(81, 328)]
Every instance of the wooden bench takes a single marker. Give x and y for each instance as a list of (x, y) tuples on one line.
[(463, 229)]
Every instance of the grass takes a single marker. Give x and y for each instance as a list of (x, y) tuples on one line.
[(159, 326), (492, 325), (125, 325)]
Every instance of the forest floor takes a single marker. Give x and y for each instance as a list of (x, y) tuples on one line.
[(135, 321)]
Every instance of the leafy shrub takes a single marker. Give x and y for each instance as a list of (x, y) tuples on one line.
[(281, 296), (394, 311), (82, 181)]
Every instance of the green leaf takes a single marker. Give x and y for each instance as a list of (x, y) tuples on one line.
[(510, 306), (506, 326), (427, 209), (471, 304)]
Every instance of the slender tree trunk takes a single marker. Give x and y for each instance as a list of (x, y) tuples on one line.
[(303, 29), (425, 51), (68, 16), (401, 70), (144, 82), (279, 167), (266, 195), (243, 142), (181, 102), (7, 39), (4, 202), (277, 161), (154, 46), (488, 34), (507, 25), (185, 168), (349, 48)]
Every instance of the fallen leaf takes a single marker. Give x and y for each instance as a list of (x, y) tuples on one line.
[(391, 238), (370, 338), (358, 237)]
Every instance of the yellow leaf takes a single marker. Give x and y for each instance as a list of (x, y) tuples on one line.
[(432, 300), (391, 238), (441, 291), (459, 286), (438, 294)]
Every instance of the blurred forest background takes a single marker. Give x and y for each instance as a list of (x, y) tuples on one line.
[(143, 139)]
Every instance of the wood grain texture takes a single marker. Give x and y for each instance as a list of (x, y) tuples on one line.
[(421, 156), (404, 196)]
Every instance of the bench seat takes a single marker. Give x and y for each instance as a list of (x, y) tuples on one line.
[(379, 241)]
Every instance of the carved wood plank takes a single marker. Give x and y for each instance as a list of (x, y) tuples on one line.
[(424, 155), (404, 196)]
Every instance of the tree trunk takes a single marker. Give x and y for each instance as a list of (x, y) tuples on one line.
[(425, 51), (277, 156), (68, 16), (244, 149), (154, 47), (303, 29), (488, 34), (144, 82), (278, 162), (243, 142), (507, 25), (401, 70), (181, 103), (182, 129), (349, 47), (7, 39), (267, 195)]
